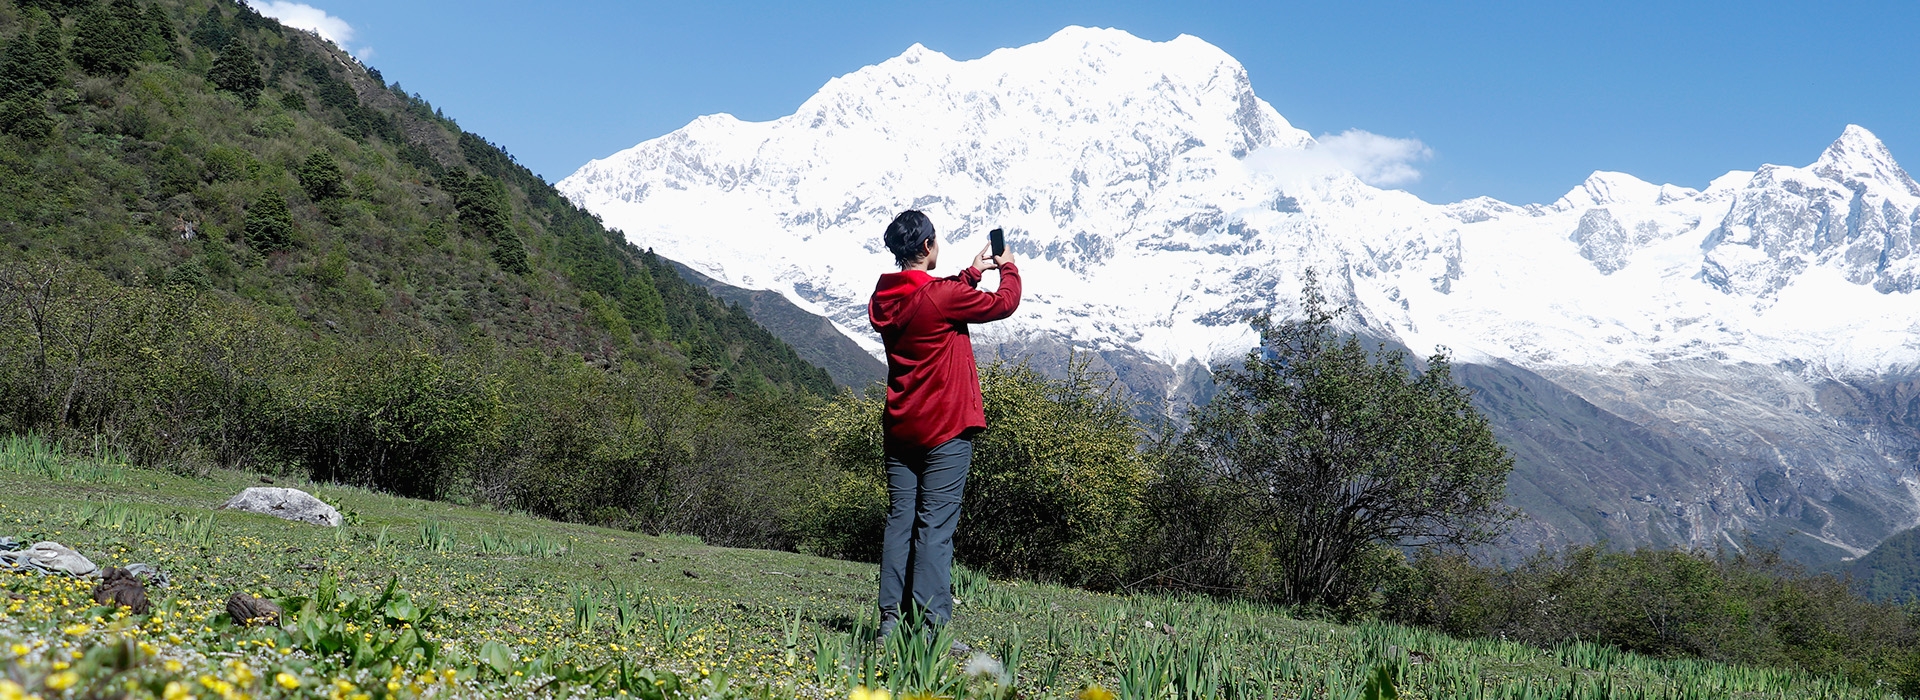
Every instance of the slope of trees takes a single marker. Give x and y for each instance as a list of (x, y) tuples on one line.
[(229, 244)]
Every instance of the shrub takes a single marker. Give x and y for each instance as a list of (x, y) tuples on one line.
[(1746, 608), (1054, 489)]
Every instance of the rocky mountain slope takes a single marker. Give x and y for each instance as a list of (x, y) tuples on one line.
[(1672, 365)]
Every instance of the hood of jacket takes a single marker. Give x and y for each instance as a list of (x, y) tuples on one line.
[(893, 298)]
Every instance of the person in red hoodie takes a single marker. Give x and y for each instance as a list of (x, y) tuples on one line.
[(933, 409)]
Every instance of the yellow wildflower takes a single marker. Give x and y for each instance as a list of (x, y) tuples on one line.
[(175, 691), (1094, 692), (860, 692), (286, 680), (173, 665), (21, 649), (76, 630), (10, 690), (62, 680)]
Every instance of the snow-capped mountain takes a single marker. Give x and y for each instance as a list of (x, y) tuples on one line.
[(1157, 203)]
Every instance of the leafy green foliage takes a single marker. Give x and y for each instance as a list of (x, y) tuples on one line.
[(300, 285), (1056, 479), (1053, 492), (1747, 608), (1324, 454)]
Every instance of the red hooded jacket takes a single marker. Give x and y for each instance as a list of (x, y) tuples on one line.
[(933, 388)]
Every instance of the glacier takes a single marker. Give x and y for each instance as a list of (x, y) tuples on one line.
[(1765, 324)]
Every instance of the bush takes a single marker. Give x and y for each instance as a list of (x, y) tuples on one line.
[(1053, 493), (1744, 608)]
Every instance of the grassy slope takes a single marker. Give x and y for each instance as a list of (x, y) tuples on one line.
[(735, 608)]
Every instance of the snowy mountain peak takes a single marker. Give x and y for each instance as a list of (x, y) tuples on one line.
[(1860, 157), (1603, 188), (1126, 171)]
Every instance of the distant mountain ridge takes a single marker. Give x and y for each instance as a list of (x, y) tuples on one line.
[(1721, 353)]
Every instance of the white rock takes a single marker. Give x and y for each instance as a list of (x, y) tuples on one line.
[(286, 504)]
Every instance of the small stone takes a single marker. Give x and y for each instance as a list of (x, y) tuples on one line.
[(286, 504), (248, 611)]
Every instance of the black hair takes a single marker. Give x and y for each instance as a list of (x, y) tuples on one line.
[(907, 237)]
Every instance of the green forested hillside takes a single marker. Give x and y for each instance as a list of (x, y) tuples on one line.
[(159, 143), (228, 243)]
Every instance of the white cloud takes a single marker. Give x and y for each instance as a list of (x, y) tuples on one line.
[(1381, 161), (300, 15)]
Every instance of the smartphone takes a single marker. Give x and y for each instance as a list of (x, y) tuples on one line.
[(999, 240)]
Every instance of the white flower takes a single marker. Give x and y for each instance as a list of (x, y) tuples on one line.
[(983, 666)]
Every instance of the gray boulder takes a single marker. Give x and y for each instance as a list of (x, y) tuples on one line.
[(286, 504)]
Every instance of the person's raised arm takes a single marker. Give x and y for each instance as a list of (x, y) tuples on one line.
[(974, 306)]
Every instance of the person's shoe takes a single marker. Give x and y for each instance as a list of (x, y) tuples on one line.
[(887, 626), (960, 648)]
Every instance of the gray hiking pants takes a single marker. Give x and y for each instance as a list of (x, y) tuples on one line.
[(916, 555)]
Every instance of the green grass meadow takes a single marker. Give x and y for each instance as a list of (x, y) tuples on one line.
[(420, 599)]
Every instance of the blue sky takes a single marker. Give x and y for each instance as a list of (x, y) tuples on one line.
[(1518, 100)]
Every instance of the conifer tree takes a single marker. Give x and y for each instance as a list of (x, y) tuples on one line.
[(510, 253), (320, 177), (57, 8), (210, 32), (104, 43), (157, 37), (31, 63), (269, 224), (235, 70)]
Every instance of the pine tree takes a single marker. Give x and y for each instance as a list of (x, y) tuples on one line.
[(320, 177), (31, 63), (57, 8), (157, 37), (26, 118), (104, 43), (235, 70), (269, 224), (510, 253), (210, 32)]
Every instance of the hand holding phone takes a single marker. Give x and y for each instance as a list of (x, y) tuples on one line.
[(995, 253)]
